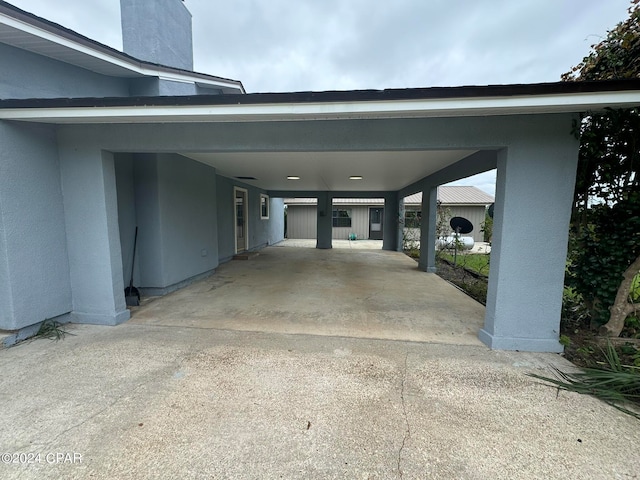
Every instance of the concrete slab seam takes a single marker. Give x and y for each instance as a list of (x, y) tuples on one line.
[(407, 434)]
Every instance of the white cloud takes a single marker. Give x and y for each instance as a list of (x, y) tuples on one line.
[(485, 181), (278, 45)]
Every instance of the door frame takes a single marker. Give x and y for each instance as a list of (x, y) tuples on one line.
[(381, 222), (245, 226)]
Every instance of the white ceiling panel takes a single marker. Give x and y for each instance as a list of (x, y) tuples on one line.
[(330, 171)]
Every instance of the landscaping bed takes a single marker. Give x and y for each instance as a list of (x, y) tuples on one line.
[(583, 346)]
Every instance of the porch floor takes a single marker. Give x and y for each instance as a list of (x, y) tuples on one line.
[(349, 291)]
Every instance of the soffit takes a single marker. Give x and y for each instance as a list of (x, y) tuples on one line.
[(330, 171)]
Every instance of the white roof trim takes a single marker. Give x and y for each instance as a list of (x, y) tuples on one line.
[(135, 68), (445, 107)]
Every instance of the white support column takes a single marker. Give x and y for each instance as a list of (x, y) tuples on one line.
[(534, 191), (91, 220), (427, 260)]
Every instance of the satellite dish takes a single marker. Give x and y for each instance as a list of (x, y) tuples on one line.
[(491, 210), (461, 225)]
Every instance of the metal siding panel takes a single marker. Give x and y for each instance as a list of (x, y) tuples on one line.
[(359, 223), (301, 221), (475, 215)]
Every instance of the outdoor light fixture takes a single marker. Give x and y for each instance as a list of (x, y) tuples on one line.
[(293, 177), (355, 177)]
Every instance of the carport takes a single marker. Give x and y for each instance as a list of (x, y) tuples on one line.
[(313, 144)]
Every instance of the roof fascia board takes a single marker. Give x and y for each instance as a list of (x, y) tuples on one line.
[(429, 107), (479, 162), (112, 57)]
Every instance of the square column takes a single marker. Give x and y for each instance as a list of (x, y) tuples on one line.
[(93, 239), (427, 260), (324, 220), (392, 227), (534, 192)]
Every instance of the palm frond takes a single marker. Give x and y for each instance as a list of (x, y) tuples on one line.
[(615, 383)]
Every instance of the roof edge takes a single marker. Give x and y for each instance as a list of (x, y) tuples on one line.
[(73, 36), (341, 96)]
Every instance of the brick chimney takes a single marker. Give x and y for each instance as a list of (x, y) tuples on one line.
[(158, 31)]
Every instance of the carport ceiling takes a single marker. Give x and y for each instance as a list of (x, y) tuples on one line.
[(330, 171)]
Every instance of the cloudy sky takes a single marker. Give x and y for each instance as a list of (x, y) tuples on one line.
[(299, 45)]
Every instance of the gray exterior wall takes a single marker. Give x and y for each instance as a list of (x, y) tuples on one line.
[(91, 221), (187, 194), (475, 214), (302, 222), (27, 75), (127, 219), (261, 232), (275, 227), (34, 267), (359, 223), (158, 31), (172, 200)]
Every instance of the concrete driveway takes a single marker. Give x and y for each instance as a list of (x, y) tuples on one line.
[(353, 292), (194, 400)]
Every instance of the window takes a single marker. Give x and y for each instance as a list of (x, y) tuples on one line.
[(412, 219), (264, 206), (342, 218)]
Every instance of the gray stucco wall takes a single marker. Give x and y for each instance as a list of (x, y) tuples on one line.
[(172, 201), (534, 191), (27, 75), (275, 230), (126, 214), (158, 31), (34, 267), (93, 243), (146, 193), (261, 232), (188, 217)]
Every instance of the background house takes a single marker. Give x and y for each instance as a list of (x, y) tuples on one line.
[(363, 217)]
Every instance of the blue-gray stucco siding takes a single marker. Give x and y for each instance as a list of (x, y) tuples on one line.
[(34, 267)]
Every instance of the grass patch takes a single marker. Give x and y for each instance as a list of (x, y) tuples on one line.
[(476, 262)]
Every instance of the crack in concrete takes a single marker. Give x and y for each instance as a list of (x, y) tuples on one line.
[(407, 434), (95, 414)]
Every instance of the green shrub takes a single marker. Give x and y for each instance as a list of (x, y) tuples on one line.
[(602, 251)]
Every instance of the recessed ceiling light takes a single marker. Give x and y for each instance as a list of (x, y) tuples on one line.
[(355, 177), (293, 177)]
